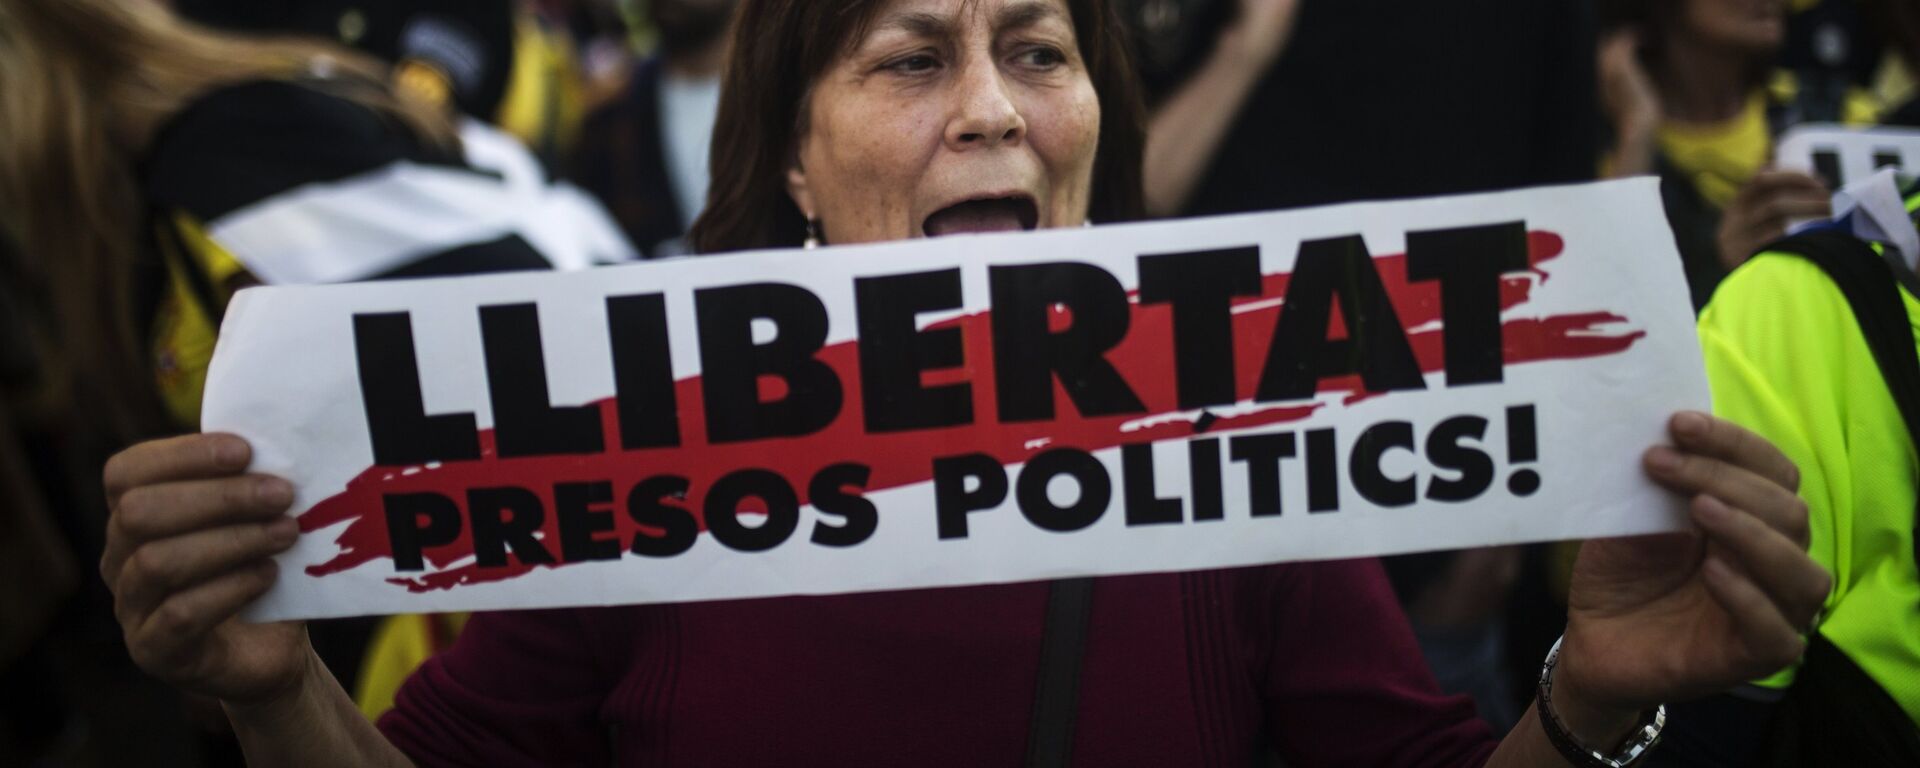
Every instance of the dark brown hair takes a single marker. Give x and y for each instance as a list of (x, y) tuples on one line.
[(1657, 21), (781, 46)]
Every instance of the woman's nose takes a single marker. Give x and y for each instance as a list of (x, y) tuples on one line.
[(985, 115)]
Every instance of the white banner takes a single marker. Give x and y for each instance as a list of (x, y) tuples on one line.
[(1843, 155), (1354, 380)]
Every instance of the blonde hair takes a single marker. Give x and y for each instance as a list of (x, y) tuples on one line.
[(84, 87)]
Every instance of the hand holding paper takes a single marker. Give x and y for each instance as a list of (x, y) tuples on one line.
[(189, 542), (1671, 617)]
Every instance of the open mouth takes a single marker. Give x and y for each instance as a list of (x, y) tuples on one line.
[(996, 214)]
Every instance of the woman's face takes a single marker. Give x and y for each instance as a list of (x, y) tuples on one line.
[(1756, 26), (950, 116)]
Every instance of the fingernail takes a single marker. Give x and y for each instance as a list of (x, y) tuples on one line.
[(1663, 458), (1709, 511), (230, 451), (1690, 424), (284, 529), (274, 491)]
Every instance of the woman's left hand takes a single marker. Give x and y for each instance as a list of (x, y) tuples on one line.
[(1670, 617)]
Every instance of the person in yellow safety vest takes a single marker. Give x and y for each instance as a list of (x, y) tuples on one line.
[(1788, 359)]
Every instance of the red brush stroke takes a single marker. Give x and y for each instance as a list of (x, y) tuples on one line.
[(906, 458)]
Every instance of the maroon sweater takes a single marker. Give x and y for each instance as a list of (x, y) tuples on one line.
[(1180, 669)]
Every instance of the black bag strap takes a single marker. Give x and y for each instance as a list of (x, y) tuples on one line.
[(1871, 283), (1056, 696)]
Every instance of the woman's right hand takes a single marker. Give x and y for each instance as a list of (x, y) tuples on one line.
[(189, 543)]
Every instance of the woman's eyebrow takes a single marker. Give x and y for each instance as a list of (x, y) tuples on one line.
[(1013, 16), (1026, 14), (917, 24)]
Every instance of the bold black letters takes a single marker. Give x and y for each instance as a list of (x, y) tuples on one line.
[(731, 364), (505, 518), (525, 423), (646, 505), (1263, 453), (1446, 452), (952, 500), (1468, 262), (1323, 472), (1095, 490), (1368, 479), (827, 492), (1144, 505), (893, 352), (1203, 465), (1026, 355), (723, 510), (397, 417), (573, 507), (1201, 286), (1376, 345), (407, 537), (643, 372)]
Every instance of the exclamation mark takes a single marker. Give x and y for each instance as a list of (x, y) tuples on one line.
[(1522, 449)]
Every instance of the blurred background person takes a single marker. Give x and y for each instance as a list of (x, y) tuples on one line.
[(1898, 84), (1263, 104), (644, 154), (1812, 359), (1692, 94), (511, 63), (154, 167)]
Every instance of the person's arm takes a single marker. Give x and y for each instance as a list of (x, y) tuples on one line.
[(313, 725), (1632, 106), (1186, 130)]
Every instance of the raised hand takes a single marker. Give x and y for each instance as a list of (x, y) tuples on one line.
[(1261, 30), (1760, 212)]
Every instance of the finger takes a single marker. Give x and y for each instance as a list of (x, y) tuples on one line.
[(153, 512), (169, 566), (1773, 180), (1792, 580), (1766, 635), (187, 457), (1691, 474), (1777, 210), (184, 619), (1722, 439)]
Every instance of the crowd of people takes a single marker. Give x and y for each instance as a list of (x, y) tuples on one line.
[(157, 157)]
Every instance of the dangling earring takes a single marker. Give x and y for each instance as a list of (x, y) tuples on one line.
[(813, 235)]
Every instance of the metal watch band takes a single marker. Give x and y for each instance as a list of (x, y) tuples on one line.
[(1628, 752)]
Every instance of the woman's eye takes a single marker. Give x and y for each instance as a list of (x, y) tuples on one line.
[(917, 63), (1042, 57)]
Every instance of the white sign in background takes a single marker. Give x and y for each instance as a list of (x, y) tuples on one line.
[(1843, 155), (284, 377)]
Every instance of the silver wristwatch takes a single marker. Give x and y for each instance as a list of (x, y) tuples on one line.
[(1627, 752)]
